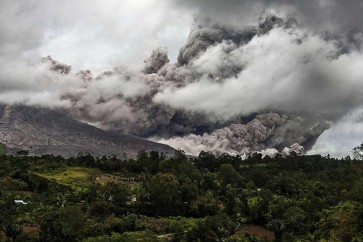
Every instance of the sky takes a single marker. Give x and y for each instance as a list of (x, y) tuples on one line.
[(308, 65), (107, 33)]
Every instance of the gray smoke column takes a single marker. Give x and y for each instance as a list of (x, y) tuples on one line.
[(261, 78), (208, 100), (319, 15), (260, 134), (287, 68), (293, 149)]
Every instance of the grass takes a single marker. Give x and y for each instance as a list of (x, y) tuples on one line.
[(72, 176), (80, 177)]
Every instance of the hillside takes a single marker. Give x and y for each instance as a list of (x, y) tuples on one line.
[(175, 198), (43, 131)]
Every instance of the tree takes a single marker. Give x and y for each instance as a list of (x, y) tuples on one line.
[(65, 224), (207, 160), (11, 230), (126, 237), (228, 175), (206, 205), (179, 156), (356, 192), (278, 227), (236, 201), (295, 220), (142, 155), (358, 152), (257, 208), (116, 193), (189, 193), (212, 228), (164, 194), (342, 222), (8, 220)]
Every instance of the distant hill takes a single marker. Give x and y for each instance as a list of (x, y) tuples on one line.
[(43, 131)]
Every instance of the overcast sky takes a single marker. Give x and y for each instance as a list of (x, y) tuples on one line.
[(96, 34), (99, 34)]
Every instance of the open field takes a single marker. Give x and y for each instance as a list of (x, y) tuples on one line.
[(81, 177)]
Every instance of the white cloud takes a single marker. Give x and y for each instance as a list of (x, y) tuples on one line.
[(106, 33), (289, 71), (346, 134)]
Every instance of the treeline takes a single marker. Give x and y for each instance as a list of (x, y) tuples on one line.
[(155, 197)]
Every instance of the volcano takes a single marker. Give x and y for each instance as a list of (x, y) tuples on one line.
[(43, 131)]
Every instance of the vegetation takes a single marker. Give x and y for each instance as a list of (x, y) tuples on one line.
[(3, 149), (160, 198)]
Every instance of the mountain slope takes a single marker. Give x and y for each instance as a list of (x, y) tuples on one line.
[(44, 131)]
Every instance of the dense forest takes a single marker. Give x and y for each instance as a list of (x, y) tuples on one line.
[(179, 198)]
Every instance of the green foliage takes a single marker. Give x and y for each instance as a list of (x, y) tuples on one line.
[(65, 224), (175, 225), (11, 229), (206, 198), (213, 228), (3, 149), (164, 194), (356, 191), (229, 176), (257, 208), (206, 204), (294, 220), (116, 193), (126, 237), (358, 152), (343, 222), (76, 177), (243, 238)]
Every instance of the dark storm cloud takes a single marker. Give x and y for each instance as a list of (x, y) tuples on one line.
[(252, 75), (321, 15)]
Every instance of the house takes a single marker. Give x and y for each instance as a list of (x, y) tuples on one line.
[(20, 202)]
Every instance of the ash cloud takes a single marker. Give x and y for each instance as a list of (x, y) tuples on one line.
[(263, 132), (222, 76), (260, 79), (285, 69), (318, 15)]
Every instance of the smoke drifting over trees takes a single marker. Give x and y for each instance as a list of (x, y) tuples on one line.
[(260, 134), (252, 81)]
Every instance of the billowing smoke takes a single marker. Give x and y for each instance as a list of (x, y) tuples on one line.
[(295, 148), (260, 134), (287, 68), (269, 82), (318, 15)]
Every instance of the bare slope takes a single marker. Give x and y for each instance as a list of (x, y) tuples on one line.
[(44, 131)]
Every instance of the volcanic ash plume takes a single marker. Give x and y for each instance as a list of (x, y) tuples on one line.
[(294, 149), (264, 131), (262, 87)]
